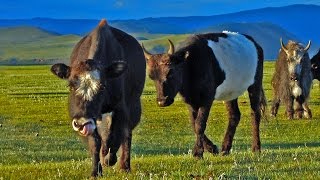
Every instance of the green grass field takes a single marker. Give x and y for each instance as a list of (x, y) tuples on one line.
[(37, 140)]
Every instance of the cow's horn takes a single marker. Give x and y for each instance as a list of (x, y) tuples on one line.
[(171, 47), (102, 23), (283, 46), (308, 46), (145, 52)]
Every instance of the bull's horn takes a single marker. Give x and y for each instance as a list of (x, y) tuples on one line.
[(171, 47), (146, 53), (308, 46), (102, 23), (283, 46)]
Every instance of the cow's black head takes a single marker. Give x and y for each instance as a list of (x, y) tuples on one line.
[(88, 88), (166, 70), (315, 66)]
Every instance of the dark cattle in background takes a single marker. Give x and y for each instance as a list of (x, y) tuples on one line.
[(292, 80), (214, 66), (315, 66), (106, 78)]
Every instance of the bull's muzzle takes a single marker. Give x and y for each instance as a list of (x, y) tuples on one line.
[(294, 77), (166, 101), (84, 126)]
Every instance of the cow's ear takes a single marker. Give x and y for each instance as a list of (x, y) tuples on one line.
[(61, 70), (116, 69)]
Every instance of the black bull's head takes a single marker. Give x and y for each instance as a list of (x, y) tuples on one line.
[(87, 83), (166, 70)]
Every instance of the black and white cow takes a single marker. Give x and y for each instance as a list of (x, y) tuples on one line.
[(208, 67), (106, 79)]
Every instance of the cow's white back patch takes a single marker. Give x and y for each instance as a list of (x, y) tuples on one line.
[(89, 83), (238, 58)]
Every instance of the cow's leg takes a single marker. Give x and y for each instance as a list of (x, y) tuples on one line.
[(125, 151), (298, 108), (306, 110), (234, 118), (134, 119), (200, 124), (254, 95), (289, 107), (207, 144), (275, 107), (94, 143), (115, 136)]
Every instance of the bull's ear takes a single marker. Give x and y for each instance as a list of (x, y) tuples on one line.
[(61, 70), (116, 69)]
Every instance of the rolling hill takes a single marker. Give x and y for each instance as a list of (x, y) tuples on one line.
[(266, 34), (29, 45), (297, 19), (44, 38)]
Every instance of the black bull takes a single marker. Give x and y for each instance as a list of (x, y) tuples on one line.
[(106, 78)]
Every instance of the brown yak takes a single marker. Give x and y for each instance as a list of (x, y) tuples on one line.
[(292, 79)]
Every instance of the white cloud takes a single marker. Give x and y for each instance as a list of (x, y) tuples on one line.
[(118, 3)]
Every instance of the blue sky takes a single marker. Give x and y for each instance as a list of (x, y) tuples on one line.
[(131, 9)]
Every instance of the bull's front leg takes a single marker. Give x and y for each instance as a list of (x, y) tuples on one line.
[(126, 150), (200, 124), (306, 110), (207, 144), (289, 107), (94, 143)]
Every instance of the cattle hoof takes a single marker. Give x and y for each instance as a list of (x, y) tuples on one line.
[(225, 153), (256, 149), (198, 153), (125, 169), (110, 160), (307, 115), (212, 149)]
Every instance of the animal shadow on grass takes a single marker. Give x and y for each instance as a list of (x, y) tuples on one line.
[(290, 145)]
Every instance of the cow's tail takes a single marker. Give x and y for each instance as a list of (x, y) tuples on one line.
[(263, 104)]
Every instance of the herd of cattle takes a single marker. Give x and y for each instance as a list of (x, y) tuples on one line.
[(106, 77)]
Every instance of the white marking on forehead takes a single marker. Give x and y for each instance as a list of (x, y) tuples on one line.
[(89, 84), (238, 58)]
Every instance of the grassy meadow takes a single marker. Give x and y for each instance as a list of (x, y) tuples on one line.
[(37, 140)]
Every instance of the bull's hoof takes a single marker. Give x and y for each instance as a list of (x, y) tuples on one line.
[(299, 115), (125, 169), (110, 160), (307, 115), (93, 177), (225, 153), (256, 149), (213, 149), (198, 152), (273, 115), (198, 155)]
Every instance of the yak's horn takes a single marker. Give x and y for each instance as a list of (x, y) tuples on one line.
[(171, 47), (145, 52)]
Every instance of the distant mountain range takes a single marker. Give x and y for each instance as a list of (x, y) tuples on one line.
[(266, 25)]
